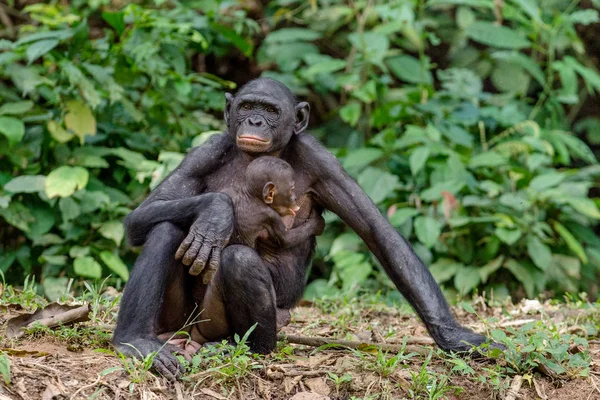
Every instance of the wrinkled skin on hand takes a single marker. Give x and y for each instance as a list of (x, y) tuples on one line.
[(208, 235), (165, 362)]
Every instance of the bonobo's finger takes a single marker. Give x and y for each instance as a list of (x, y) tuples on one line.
[(213, 265), (190, 254), (184, 246), (203, 255), (197, 267), (164, 366)]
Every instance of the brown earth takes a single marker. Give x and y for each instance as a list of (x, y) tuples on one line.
[(45, 367)]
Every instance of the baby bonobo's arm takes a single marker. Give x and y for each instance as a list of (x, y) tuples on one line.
[(313, 226)]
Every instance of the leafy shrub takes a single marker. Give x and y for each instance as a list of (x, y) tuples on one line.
[(85, 113), (456, 117)]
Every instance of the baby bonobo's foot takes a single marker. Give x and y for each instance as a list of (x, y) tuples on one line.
[(187, 347)]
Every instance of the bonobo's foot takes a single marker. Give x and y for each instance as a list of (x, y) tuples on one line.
[(165, 363), (459, 339), (283, 318)]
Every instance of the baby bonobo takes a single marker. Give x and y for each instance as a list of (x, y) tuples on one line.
[(261, 205)]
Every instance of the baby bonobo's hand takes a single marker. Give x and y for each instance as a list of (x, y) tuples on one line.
[(318, 222)]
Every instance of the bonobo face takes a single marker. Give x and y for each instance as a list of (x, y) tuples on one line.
[(264, 115), (284, 201)]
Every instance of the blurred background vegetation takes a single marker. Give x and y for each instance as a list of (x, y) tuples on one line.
[(472, 124)]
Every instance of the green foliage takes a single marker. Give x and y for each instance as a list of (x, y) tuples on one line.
[(455, 117), (88, 102)]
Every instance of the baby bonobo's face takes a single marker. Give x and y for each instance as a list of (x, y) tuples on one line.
[(284, 201)]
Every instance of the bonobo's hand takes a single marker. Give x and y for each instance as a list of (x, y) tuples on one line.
[(208, 235), (165, 363), (317, 221)]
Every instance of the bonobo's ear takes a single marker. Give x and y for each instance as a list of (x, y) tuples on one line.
[(269, 192), (302, 114), (228, 102)]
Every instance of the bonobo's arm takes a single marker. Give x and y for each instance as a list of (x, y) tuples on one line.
[(337, 191), (312, 226), (179, 199)]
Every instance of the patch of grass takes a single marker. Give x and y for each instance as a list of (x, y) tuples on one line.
[(426, 384), (26, 297), (382, 364), (226, 362), (76, 337)]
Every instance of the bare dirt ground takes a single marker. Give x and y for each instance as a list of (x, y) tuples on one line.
[(47, 366)]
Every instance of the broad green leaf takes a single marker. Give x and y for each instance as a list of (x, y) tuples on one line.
[(409, 69), (546, 181), (54, 288), (352, 268), (243, 44), (508, 236), (87, 267), (435, 191), (13, 129), (472, 3), (590, 77), (58, 133), (116, 20), (584, 17), (26, 184), (115, 264), (113, 230), (403, 214), (524, 62), (350, 113), (570, 265), (523, 275), (360, 158), (65, 180), (490, 268), (417, 159), (39, 48), (58, 35), (494, 35), (5, 369), (318, 289), (427, 230), (539, 252), (349, 241), (571, 241), (466, 279), (43, 221), (80, 120), (78, 251), (378, 184), (69, 209), (444, 269), (584, 206), (16, 108), (286, 35), (487, 159), (508, 77), (17, 215), (373, 45)]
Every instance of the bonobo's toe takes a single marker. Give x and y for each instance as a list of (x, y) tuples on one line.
[(459, 339), (165, 363)]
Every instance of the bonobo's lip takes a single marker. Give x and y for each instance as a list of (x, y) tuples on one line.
[(293, 212), (252, 138)]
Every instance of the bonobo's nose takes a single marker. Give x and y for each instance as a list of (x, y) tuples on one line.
[(253, 121)]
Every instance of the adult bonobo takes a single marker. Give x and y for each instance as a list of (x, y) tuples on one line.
[(186, 221)]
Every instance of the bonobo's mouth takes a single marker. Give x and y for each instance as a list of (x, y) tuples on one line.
[(253, 139), (253, 143)]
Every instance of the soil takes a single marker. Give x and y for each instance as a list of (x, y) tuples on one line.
[(46, 367)]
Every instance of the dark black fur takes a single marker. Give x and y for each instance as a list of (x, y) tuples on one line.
[(186, 212)]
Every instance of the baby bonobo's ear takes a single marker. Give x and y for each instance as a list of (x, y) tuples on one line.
[(269, 192)]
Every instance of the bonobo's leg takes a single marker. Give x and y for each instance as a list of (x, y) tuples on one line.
[(154, 273), (247, 290)]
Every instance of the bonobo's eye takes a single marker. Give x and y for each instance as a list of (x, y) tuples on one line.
[(246, 106), (271, 109)]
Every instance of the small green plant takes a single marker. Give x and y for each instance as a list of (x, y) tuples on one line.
[(338, 381), (5, 368), (226, 361), (541, 344), (138, 369), (382, 364), (429, 385)]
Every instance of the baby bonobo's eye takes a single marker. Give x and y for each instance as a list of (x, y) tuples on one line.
[(271, 109), (246, 106)]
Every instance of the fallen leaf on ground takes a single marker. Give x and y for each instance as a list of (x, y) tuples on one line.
[(52, 315), (308, 396), (318, 385), (213, 394)]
